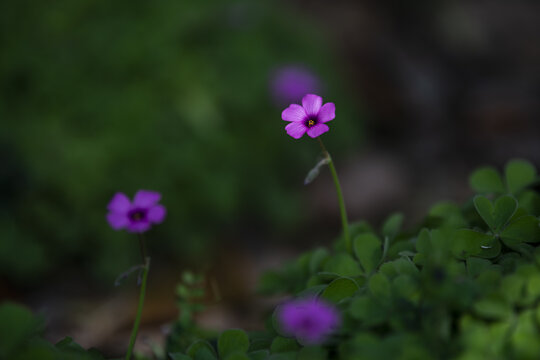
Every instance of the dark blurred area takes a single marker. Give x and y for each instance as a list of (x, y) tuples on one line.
[(185, 98), (446, 86)]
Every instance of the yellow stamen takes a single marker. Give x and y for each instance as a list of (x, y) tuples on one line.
[(311, 123)]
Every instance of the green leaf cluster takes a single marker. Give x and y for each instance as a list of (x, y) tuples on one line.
[(21, 338), (462, 284)]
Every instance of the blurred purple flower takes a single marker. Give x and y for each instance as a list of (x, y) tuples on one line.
[(310, 320), (137, 216), (310, 117), (290, 83)]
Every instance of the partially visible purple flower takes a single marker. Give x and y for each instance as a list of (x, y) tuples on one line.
[(310, 117), (310, 320), (137, 216), (289, 83)]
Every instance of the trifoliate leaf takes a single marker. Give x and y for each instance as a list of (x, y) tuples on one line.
[(339, 289), (519, 175), (368, 249), (486, 180), (231, 341)]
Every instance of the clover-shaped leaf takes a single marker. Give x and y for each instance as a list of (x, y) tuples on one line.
[(406, 287), (496, 216), (405, 266), (469, 242), (486, 180), (339, 289), (423, 247), (368, 249), (379, 286), (368, 309), (282, 344), (392, 225), (17, 325), (342, 264), (317, 259), (475, 266), (519, 175), (232, 341), (523, 229), (201, 350), (493, 308)]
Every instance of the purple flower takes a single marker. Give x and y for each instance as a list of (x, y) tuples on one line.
[(290, 83), (137, 216), (310, 117), (310, 320)]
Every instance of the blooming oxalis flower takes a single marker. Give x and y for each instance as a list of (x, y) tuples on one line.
[(310, 117), (310, 320), (137, 216)]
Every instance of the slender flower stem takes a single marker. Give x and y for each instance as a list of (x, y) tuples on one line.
[(142, 246), (342, 209), (145, 269)]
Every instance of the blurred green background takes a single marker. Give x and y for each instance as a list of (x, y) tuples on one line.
[(174, 96), (181, 97)]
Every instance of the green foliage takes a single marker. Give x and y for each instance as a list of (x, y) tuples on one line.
[(179, 356), (339, 289), (342, 264), (486, 180), (519, 175), (368, 250), (232, 342), (20, 338), (283, 345), (392, 225), (17, 324), (190, 293), (496, 216), (463, 285)]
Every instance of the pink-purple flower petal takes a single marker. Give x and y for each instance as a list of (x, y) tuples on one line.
[(156, 214), (119, 203), (289, 317), (311, 321), (117, 221), (135, 216), (317, 130), (138, 227), (296, 129), (294, 113), (146, 198), (327, 112), (312, 103)]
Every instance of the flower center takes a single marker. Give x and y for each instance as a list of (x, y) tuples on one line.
[(306, 324), (137, 215), (310, 122)]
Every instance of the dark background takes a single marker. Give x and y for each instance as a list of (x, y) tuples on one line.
[(179, 97)]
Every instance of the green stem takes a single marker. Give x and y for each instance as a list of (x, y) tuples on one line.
[(145, 269), (342, 209), (142, 246)]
